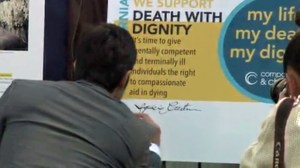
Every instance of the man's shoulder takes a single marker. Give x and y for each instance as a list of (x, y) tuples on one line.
[(26, 82), (36, 84), (30, 88), (20, 85)]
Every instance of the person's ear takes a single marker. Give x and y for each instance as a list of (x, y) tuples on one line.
[(120, 89), (124, 82)]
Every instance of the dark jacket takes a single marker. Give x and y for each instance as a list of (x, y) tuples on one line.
[(68, 125)]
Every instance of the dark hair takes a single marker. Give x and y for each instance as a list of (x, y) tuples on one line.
[(292, 54), (105, 53)]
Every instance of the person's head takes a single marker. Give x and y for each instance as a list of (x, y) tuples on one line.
[(291, 65), (105, 56)]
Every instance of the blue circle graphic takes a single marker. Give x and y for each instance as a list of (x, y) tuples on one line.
[(252, 44)]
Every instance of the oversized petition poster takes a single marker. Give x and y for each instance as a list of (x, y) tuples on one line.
[(21, 40), (204, 70)]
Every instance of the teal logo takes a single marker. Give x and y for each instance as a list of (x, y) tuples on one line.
[(252, 45)]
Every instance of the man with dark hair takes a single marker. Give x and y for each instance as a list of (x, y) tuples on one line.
[(260, 154), (105, 56), (82, 123)]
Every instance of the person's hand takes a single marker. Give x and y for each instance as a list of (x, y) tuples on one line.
[(155, 138)]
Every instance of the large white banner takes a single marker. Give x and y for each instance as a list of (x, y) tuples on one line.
[(204, 70), (21, 40)]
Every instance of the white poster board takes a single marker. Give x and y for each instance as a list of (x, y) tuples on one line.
[(21, 40), (204, 70)]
